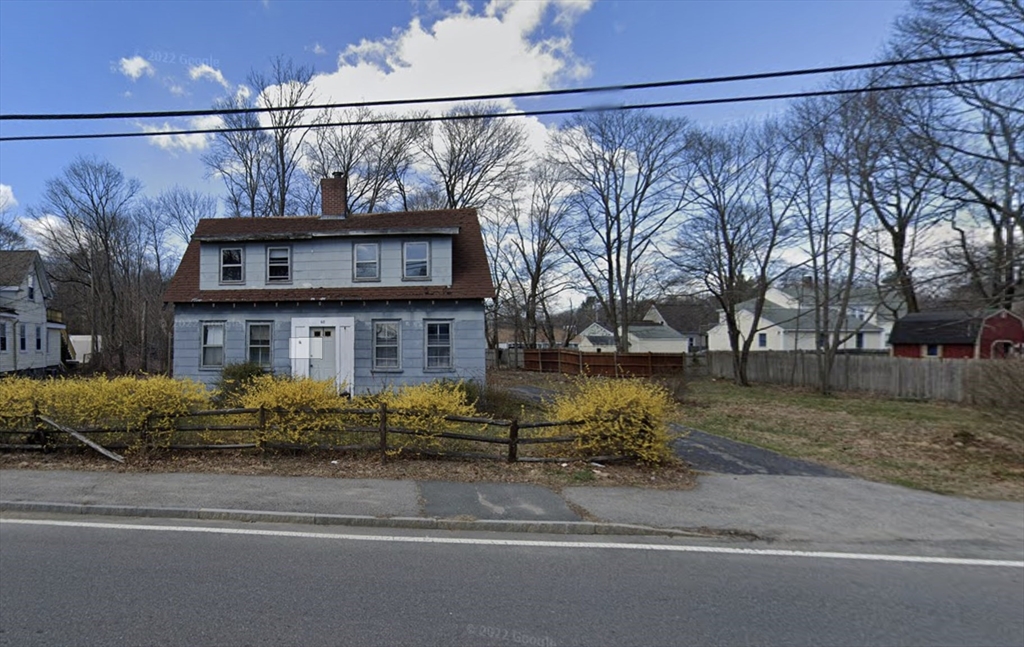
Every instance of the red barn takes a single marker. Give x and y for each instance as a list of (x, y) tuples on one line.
[(958, 335)]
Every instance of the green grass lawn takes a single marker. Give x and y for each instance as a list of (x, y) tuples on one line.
[(940, 447)]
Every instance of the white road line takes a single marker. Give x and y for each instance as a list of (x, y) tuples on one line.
[(527, 543)]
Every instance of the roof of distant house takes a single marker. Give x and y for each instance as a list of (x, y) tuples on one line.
[(471, 274), (796, 319), (14, 265), (600, 340), (943, 327), (653, 331), (688, 317)]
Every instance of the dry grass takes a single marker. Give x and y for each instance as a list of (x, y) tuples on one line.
[(939, 447)]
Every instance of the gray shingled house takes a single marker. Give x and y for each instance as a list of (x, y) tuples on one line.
[(366, 300)]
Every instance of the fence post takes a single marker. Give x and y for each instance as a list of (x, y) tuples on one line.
[(383, 432), (263, 421), (144, 432), (650, 365), (513, 441)]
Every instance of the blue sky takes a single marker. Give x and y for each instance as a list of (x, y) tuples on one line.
[(114, 56)]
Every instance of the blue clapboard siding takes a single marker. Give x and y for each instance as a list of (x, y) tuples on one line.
[(325, 263), (468, 341)]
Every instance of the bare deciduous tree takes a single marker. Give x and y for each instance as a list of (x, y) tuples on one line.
[(627, 177), (974, 132), (286, 87), (240, 159)]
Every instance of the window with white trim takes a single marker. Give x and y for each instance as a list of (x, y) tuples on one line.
[(212, 351), (279, 265), (3, 336), (367, 262), (386, 345), (259, 345), (22, 338), (39, 338), (762, 340), (439, 345), (416, 260), (231, 265)]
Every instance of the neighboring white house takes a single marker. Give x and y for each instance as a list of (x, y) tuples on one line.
[(690, 319), (793, 328), (81, 347), (644, 337), (30, 342)]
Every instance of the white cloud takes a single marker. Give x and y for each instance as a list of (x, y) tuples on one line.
[(7, 201), (242, 92), (204, 71), (135, 67), (176, 90), (186, 143), (506, 47), (318, 49)]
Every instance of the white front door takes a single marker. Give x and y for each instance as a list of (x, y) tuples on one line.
[(323, 353), (323, 348)]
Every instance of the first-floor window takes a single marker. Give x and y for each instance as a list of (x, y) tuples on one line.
[(259, 343), (439, 344), (932, 350), (860, 341), (762, 340), (213, 345), (22, 338), (385, 345), (39, 338), (3, 335)]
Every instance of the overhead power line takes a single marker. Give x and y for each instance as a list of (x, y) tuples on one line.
[(513, 95), (527, 113)]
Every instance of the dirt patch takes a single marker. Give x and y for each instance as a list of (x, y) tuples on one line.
[(672, 476)]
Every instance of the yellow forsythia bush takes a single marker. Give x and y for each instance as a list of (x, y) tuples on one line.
[(423, 407), (121, 403), (621, 417), (291, 405)]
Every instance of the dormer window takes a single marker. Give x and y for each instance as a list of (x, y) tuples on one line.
[(231, 265), (279, 264), (367, 260), (416, 257)]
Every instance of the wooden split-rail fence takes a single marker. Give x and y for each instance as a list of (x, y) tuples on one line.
[(42, 432)]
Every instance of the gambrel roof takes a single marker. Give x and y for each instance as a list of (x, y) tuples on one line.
[(471, 274)]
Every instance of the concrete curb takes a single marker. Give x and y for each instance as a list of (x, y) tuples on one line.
[(416, 523)]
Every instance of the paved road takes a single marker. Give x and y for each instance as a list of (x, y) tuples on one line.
[(710, 453), (101, 586)]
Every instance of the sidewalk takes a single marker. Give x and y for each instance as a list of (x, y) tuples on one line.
[(773, 507)]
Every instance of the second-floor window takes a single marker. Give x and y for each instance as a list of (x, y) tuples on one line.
[(31, 288), (417, 260), (231, 265), (367, 259), (279, 265)]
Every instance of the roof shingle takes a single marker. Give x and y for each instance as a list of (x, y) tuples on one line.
[(471, 274)]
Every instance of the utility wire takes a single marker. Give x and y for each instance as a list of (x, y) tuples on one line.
[(513, 95), (525, 113)]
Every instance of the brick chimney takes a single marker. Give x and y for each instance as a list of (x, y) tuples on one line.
[(334, 196)]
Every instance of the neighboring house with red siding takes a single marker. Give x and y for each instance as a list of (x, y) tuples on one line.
[(958, 335)]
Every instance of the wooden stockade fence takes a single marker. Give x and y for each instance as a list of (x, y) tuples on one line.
[(973, 381), (574, 362), (42, 431)]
